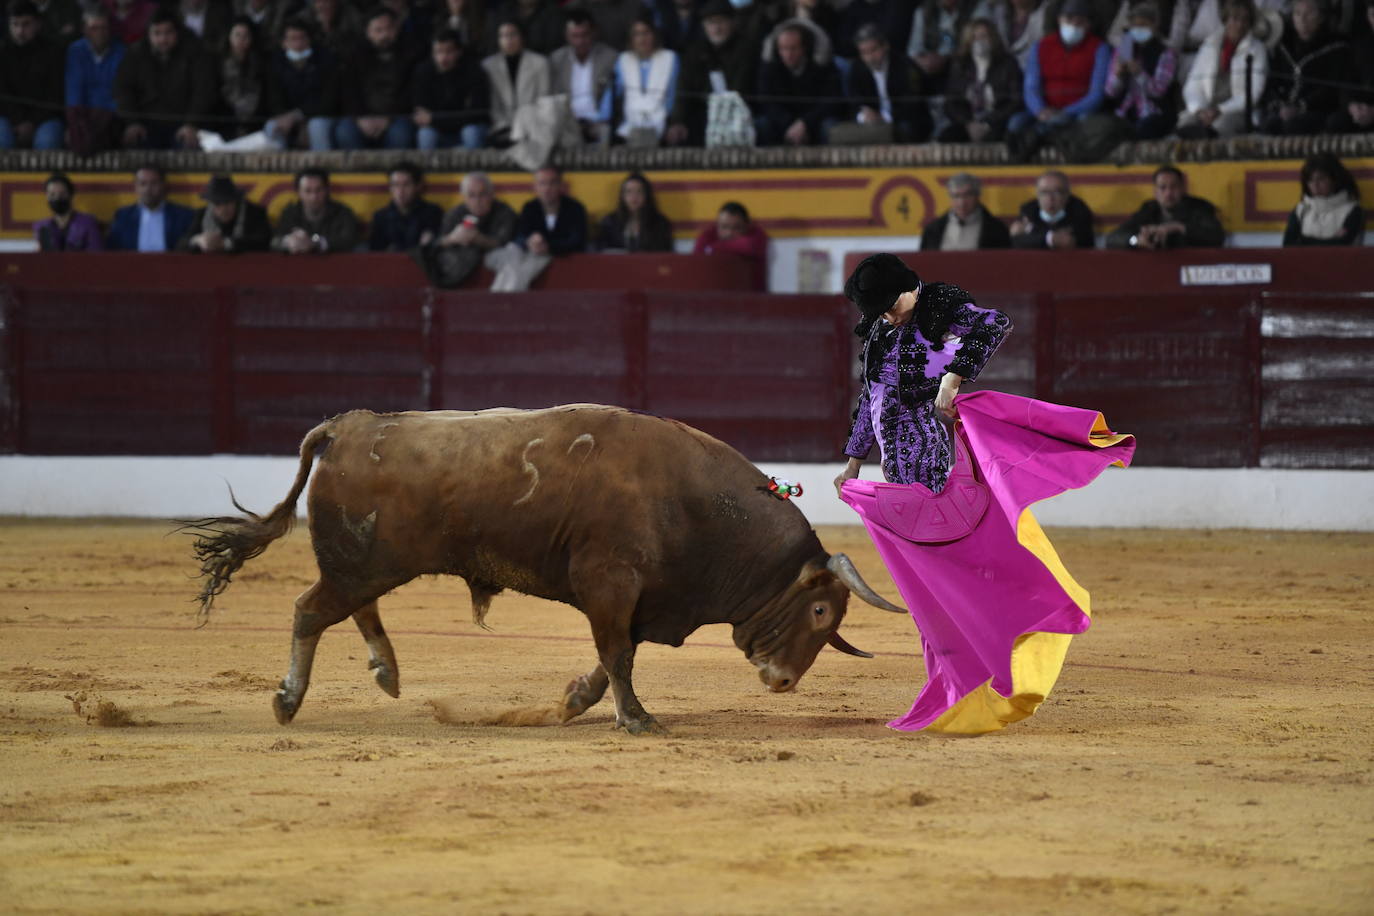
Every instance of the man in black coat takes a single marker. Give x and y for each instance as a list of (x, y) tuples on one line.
[(302, 91), (551, 225), (164, 87), (1306, 72), (967, 225), (885, 89), (723, 50), (228, 223), (32, 67), (408, 221), (800, 99), (1055, 218), (1174, 219), (376, 88), (451, 96)]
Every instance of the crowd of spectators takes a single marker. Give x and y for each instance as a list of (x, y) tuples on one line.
[(430, 74)]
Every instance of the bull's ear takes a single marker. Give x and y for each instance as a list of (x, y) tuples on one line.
[(815, 577)]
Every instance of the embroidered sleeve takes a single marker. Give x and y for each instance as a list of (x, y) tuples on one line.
[(860, 441), (981, 332)]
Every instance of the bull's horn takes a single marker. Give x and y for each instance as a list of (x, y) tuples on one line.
[(839, 642), (844, 570)]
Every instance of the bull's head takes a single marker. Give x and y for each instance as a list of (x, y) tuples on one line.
[(784, 638)]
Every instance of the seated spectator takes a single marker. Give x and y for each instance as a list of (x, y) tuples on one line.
[(228, 223), (636, 223), (242, 80), (468, 18), (584, 71), (1140, 84), (1214, 91), (165, 85), (1329, 211), (540, 23), (1357, 100), (516, 76), (1172, 220), (408, 221), (336, 25), (885, 89), (984, 88), (92, 62), (798, 107), (614, 19), (721, 60), (31, 68), (208, 21), (935, 30), (1065, 80), (1194, 21), (551, 225), (153, 224), (1308, 67), (822, 45), (1020, 24), (302, 92), (130, 18), (819, 13), (450, 93), (734, 234), (967, 225), (1055, 218), (315, 223), (480, 224), (375, 91), (645, 86), (892, 17), (679, 22), (66, 229), (61, 20)]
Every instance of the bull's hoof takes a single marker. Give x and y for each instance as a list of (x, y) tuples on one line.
[(283, 708), (387, 680), (648, 725)]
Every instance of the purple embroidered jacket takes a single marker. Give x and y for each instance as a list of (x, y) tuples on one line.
[(902, 371)]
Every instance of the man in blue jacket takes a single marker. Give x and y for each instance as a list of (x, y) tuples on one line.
[(152, 224), (92, 62)]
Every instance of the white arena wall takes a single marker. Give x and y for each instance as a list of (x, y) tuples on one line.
[(155, 487)]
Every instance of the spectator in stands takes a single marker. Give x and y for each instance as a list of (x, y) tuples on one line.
[(375, 92), (1140, 84), (302, 91), (242, 79), (1174, 219), (936, 27), (207, 21), (336, 26), (892, 17), (517, 77), (721, 60), (1020, 24), (267, 16), (153, 224), (1329, 211), (1065, 80), (984, 88), (1308, 67), (66, 229), (92, 62), (885, 89), (408, 221), (1055, 218), (31, 67), (315, 223), (551, 225), (540, 23), (645, 86), (614, 19), (1214, 91), (799, 106), (229, 223), (468, 18), (584, 71), (61, 20), (679, 22), (1194, 21), (967, 225), (1357, 100), (822, 45), (165, 85), (636, 223), (733, 233), (130, 18), (479, 224), (451, 97)]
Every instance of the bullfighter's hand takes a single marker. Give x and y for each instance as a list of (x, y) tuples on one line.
[(850, 472), (944, 399)]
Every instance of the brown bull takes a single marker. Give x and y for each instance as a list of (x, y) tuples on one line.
[(649, 527)]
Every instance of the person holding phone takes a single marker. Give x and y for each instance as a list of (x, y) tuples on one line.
[(476, 226)]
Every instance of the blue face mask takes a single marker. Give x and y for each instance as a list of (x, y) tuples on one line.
[(297, 56), (1051, 218), (1140, 35), (1071, 34), (741, 4)]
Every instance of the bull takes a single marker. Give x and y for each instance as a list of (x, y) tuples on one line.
[(647, 526)]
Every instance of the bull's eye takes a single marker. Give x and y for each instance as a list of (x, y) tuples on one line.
[(819, 610)]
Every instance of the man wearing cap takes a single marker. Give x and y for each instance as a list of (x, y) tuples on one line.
[(228, 223), (1065, 81), (921, 341), (721, 60)]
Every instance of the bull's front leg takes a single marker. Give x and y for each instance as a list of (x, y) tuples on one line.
[(607, 594), (618, 659)]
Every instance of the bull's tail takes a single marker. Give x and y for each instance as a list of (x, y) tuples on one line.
[(224, 543)]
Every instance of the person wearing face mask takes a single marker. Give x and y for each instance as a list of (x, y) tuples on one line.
[(1065, 80), (1308, 67), (302, 90), (66, 229), (984, 87), (1141, 80), (1055, 219)]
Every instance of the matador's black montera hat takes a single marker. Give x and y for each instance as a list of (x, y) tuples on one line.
[(877, 282)]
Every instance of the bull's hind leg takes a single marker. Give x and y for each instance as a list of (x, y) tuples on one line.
[(320, 607), (582, 693), (382, 658)]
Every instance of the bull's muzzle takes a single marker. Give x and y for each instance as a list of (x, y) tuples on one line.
[(776, 679)]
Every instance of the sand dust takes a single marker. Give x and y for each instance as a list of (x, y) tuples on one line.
[(1207, 750)]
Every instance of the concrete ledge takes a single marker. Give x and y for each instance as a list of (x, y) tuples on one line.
[(181, 487)]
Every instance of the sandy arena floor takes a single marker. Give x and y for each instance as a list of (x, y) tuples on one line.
[(1206, 751)]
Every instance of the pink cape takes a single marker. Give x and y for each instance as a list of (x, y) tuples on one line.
[(989, 606)]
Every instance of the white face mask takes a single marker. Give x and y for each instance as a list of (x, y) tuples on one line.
[(1071, 34), (1140, 35), (297, 56)]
